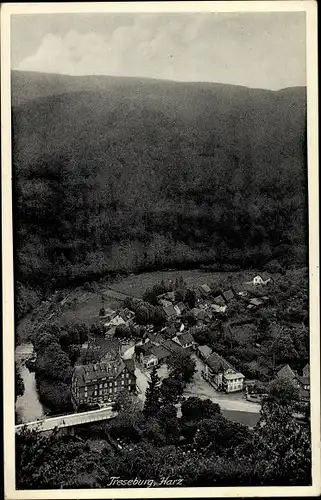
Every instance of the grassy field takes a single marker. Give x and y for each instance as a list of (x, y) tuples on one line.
[(79, 305), (136, 284)]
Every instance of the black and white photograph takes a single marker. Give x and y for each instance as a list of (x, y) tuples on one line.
[(160, 270)]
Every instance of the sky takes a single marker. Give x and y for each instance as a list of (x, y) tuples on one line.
[(258, 50)]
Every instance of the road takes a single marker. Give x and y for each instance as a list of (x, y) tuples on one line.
[(69, 420), (198, 388), (230, 402)]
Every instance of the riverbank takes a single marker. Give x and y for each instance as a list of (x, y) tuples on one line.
[(28, 406)]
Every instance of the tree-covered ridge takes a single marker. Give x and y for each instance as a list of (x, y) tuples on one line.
[(124, 174)]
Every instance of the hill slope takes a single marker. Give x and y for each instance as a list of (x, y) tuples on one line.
[(122, 173)]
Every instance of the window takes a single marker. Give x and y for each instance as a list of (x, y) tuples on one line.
[(122, 382), (127, 375), (95, 393), (96, 386), (123, 375), (110, 389), (105, 384), (110, 384), (100, 386), (115, 383), (129, 387)]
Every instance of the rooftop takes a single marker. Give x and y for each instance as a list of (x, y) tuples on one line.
[(205, 350), (217, 363)]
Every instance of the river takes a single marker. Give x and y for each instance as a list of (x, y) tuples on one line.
[(28, 406)]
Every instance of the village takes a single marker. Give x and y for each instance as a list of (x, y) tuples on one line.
[(169, 323)]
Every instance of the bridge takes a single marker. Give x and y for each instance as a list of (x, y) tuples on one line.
[(70, 420)]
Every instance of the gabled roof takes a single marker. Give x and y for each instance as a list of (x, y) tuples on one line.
[(173, 346), (181, 306), (185, 338), (99, 347), (228, 295), (286, 372), (217, 363), (219, 300), (169, 311), (108, 370), (231, 376), (160, 352), (130, 365), (304, 380), (306, 370), (256, 302), (205, 288), (205, 350)]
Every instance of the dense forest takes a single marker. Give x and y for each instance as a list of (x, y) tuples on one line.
[(120, 174)]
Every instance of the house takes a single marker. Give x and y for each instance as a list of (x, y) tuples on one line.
[(165, 303), (126, 314), (173, 347), (228, 295), (258, 280), (255, 302), (204, 351), (115, 321), (99, 349), (304, 396), (221, 374), (150, 354), (218, 309), (170, 312), (185, 340), (219, 300), (101, 382), (144, 355), (201, 314), (204, 291), (287, 373), (170, 296), (180, 307), (156, 338), (303, 382)]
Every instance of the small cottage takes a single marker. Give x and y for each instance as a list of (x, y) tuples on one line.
[(228, 295), (204, 351), (185, 340), (219, 300), (170, 312), (204, 291)]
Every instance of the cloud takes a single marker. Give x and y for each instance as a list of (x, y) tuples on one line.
[(264, 51)]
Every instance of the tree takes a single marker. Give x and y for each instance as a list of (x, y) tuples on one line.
[(152, 395), (142, 315), (150, 296), (195, 409), (182, 366), (43, 461), (283, 392), (74, 353), (281, 447), (122, 332), (190, 298), (158, 317), (172, 389)]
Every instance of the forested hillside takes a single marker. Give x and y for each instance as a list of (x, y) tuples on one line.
[(120, 174)]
